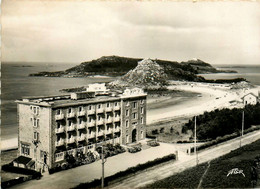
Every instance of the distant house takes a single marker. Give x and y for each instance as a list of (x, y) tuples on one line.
[(98, 88), (250, 98)]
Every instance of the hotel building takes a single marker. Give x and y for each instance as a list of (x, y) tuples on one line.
[(51, 126)]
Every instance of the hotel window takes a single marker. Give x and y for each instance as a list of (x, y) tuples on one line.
[(108, 105), (70, 110), (36, 110), (89, 107), (142, 134), (35, 122), (127, 112), (108, 116), (58, 112), (134, 115), (70, 123), (80, 109), (89, 119), (127, 139), (99, 118), (135, 104), (116, 103), (127, 103), (142, 110), (99, 106), (127, 123), (25, 149), (142, 101), (36, 136), (142, 120)]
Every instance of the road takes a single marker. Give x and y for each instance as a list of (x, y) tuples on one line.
[(147, 177)]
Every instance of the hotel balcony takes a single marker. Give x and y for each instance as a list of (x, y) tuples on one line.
[(117, 129), (71, 128), (59, 130), (117, 107), (100, 110), (109, 120), (109, 131), (81, 113), (100, 133), (70, 140), (81, 137), (91, 124), (100, 122), (92, 111), (108, 109), (117, 118), (59, 117), (71, 115), (81, 126), (60, 142), (91, 135)]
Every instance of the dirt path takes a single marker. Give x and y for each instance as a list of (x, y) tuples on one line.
[(201, 179)]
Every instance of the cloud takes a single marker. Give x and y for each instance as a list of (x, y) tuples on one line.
[(76, 31)]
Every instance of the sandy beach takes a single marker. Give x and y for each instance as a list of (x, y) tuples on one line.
[(210, 97)]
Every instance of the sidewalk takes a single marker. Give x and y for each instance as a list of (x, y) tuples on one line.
[(72, 177)]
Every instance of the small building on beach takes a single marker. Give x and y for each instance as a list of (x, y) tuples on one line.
[(250, 98)]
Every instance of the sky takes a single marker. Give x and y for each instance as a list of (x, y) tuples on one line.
[(64, 31)]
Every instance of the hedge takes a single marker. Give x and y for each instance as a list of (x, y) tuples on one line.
[(224, 138), (131, 170)]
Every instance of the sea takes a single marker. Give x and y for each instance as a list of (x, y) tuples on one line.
[(15, 84)]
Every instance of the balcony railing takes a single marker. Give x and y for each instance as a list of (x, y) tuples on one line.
[(117, 129), (117, 118), (81, 113), (70, 140), (71, 128), (91, 124), (71, 115), (100, 122), (91, 135), (108, 109), (60, 142), (81, 137), (109, 120), (59, 130), (117, 107), (92, 111), (100, 133), (100, 110), (81, 126), (59, 116), (109, 131)]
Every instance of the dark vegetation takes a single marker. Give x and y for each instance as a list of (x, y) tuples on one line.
[(243, 159), (223, 139), (32, 174), (110, 150), (132, 170), (218, 123), (222, 81), (118, 66)]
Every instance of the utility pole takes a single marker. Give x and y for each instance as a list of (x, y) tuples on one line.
[(195, 141), (103, 166), (242, 132)]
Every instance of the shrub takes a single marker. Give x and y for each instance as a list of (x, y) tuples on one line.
[(131, 170)]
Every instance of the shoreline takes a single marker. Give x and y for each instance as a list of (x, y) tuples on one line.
[(211, 97)]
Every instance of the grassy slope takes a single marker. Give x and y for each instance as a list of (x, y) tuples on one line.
[(216, 176)]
